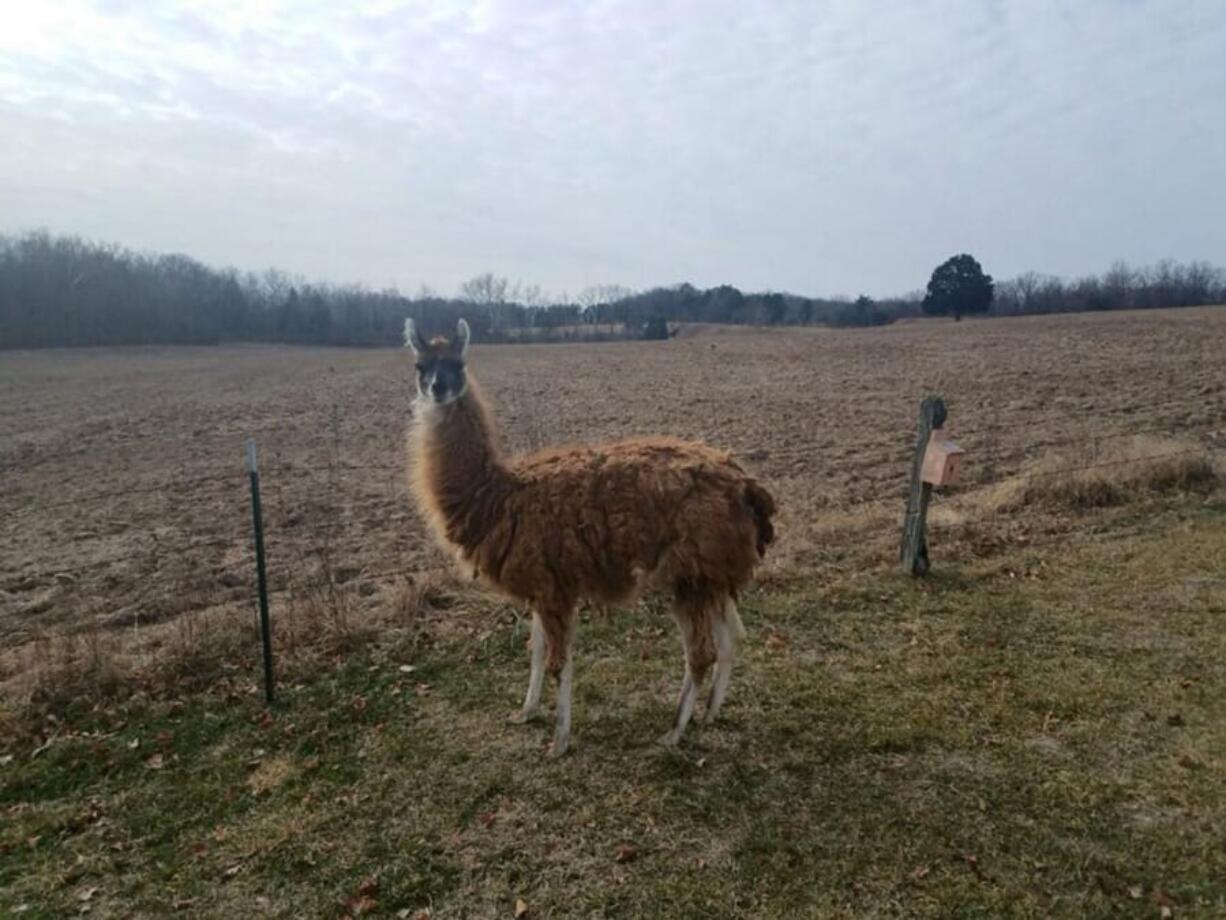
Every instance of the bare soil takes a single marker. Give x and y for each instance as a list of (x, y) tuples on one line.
[(125, 500)]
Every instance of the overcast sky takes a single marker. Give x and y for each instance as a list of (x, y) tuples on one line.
[(817, 147)]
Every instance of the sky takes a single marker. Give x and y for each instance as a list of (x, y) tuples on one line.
[(822, 147)]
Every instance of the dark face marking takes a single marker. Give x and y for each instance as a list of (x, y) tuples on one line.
[(439, 378), (439, 363)]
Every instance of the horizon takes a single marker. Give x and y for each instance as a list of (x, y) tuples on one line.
[(565, 298), (817, 151)]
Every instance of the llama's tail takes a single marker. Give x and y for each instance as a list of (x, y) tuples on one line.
[(762, 506)]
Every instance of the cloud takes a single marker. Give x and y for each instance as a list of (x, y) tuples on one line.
[(817, 147)]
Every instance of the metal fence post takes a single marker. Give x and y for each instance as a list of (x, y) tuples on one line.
[(253, 470)]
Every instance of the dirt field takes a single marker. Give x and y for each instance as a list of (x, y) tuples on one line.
[(1035, 730), (825, 416)]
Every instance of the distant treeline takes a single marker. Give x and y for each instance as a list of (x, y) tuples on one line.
[(58, 291)]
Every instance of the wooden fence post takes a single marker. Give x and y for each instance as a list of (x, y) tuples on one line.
[(914, 551), (257, 516)]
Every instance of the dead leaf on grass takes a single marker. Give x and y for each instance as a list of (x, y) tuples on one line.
[(521, 908), (155, 762), (627, 852)]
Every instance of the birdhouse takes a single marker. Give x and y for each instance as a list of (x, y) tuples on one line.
[(941, 460)]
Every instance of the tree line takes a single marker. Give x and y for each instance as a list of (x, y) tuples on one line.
[(65, 291)]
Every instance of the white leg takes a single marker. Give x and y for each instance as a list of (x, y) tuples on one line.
[(726, 630), (536, 677), (685, 709), (561, 735)]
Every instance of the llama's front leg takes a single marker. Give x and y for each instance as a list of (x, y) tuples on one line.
[(725, 632), (685, 709), (696, 639), (536, 677)]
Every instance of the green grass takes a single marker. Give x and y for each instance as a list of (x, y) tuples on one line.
[(1038, 735)]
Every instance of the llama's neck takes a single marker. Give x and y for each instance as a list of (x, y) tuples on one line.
[(461, 479)]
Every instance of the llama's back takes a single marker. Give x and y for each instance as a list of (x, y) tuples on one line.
[(602, 521)]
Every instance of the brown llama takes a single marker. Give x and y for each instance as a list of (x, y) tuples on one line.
[(597, 523)]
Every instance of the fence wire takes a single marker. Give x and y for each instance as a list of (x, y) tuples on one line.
[(163, 563)]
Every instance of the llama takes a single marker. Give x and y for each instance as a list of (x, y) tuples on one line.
[(597, 524)]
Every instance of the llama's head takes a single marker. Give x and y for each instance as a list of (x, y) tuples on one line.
[(439, 362)]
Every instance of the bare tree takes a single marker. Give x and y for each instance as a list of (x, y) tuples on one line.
[(489, 292)]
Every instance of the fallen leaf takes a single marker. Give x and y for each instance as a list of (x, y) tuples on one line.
[(774, 640), (155, 762), (626, 853), (133, 744), (920, 872), (407, 669), (1175, 719), (6, 760), (521, 908), (1134, 892), (487, 819), (369, 885), (86, 894), (363, 905), (972, 863)]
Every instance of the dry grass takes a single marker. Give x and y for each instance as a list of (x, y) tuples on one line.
[(1105, 474), (1035, 735), (213, 650)]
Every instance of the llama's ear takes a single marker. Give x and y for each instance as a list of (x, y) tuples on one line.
[(462, 335), (412, 338)]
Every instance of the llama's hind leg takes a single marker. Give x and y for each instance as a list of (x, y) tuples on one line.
[(727, 632), (695, 624), (536, 677), (559, 631)]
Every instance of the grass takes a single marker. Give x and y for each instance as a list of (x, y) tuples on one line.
[(1040, 733), (1104, 474)]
